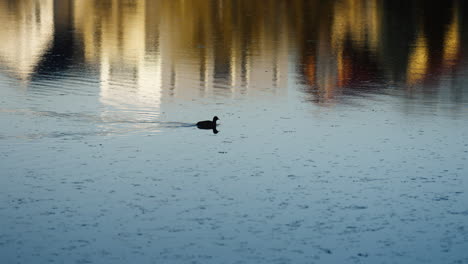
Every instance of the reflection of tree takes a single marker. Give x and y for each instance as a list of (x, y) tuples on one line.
[(340, 49), (355, 45), (341, 46)]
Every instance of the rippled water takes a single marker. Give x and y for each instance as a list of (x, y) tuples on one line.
[(343, 133)]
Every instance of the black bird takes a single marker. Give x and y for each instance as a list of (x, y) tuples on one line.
[(208, 124)]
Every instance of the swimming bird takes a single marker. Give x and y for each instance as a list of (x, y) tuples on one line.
[(207, 124)]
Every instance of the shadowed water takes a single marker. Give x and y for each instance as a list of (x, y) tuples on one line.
[(344, 134)]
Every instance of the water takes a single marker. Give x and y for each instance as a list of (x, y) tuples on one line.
[(343, 135)]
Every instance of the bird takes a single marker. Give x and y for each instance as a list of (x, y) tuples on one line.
[(207, 124)]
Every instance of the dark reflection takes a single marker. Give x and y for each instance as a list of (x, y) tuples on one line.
[(368, 46), (208, 124), (62, 52), (333, 49)]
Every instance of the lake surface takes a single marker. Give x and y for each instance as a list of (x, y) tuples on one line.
[(343, 134)]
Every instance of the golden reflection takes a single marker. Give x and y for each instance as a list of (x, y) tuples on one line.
[(418, 60), (150, 49), (26, 33), (452, 41), (211, 45), (358, 20)]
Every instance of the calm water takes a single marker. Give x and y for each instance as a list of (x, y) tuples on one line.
[(343, 131)]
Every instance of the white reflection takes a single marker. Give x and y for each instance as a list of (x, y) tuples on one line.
[(26, 33), (115, 36), (145, 51)]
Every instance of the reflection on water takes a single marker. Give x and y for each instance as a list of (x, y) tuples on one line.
[(145, 47), (343, 138), (26, 32), (113, 125), (142, 51)]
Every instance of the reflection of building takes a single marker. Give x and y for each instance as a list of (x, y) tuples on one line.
[(26, 33), (144, 49), (114, 36)]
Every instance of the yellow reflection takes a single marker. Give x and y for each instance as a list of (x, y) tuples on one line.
[(418, 60), (148, 49), (358, 19), (26, 30), (147, 44), (452, 41)]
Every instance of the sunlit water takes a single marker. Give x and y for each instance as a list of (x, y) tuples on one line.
[(343, 133)]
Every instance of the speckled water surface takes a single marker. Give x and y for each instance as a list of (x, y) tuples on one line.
[(343, 134)]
